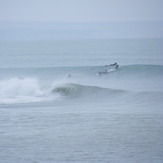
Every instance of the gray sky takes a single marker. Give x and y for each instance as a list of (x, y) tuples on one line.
[(81, 10)]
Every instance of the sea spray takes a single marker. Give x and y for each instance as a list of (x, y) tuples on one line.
[(19, 89)]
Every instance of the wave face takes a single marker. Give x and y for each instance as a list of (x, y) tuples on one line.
[(76, 90), (23, 90)]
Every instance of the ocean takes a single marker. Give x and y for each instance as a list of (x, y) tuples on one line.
[(61, 102)]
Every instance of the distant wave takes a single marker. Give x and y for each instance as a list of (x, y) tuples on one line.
[(138, 70), (142, 69), (123, 70)]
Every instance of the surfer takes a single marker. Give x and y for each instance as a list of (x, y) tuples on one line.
[(69, 76), (114, 64), (99, 73), (103, 72)]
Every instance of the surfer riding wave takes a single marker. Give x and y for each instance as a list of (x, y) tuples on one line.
[(115, 65)]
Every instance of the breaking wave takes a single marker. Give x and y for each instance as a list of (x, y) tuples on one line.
[(20, 90), (87, 84), (16, 90)]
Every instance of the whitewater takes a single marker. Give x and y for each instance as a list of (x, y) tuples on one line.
[(55, 106)]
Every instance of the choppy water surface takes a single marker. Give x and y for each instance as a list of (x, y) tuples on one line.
[(56, 107)]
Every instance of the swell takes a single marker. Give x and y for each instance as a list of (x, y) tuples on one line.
[(142, 69), (100, 95), (77, 90), (147, 70)]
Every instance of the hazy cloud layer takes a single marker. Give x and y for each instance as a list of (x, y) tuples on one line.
[(81, 10), (74, 30)]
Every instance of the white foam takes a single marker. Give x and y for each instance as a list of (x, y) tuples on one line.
[(17, 90)]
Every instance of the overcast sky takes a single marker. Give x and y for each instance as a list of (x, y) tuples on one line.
[(81, 10)]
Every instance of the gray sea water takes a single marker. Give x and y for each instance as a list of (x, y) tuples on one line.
[(55, 107)]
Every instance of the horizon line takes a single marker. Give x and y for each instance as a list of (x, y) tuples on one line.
[(55, 21)]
